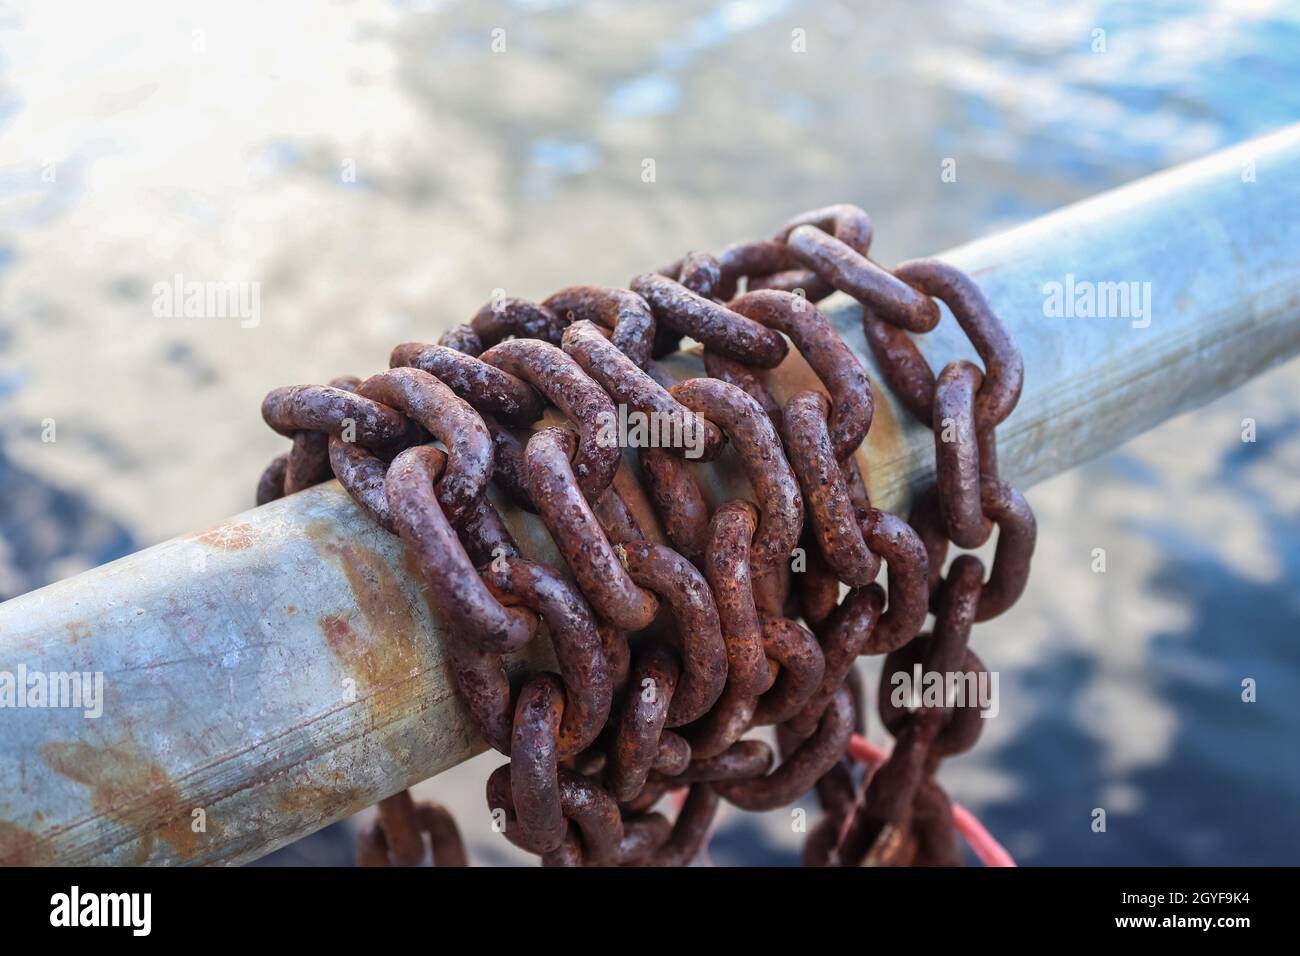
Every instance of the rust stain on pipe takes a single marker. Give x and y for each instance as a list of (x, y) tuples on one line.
[(20, 847), (389, 647), (323, 800), (117, 777), (227, 536), (381, 645)]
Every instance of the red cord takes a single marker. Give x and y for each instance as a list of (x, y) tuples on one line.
[(985, 846), (983, 843)]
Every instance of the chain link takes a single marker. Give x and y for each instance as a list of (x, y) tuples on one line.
[(668, 654)]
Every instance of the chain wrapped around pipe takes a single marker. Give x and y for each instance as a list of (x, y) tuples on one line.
[(669, 653)]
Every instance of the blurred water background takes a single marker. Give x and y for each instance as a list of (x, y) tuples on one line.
[(379, 170)]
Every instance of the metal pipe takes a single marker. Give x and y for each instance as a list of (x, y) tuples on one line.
[(280, 670)]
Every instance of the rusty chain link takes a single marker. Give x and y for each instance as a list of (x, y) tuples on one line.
[(668, 654)]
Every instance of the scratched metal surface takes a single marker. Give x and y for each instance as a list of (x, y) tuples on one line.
[(182, 141)]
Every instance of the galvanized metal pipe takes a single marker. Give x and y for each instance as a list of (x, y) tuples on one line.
[(281, 670)]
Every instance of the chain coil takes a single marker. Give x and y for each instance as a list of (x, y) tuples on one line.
[(668, 654)]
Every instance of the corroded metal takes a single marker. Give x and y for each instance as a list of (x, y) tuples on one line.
[(181, 739)]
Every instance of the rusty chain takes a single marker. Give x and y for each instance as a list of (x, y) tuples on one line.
[(669, 653)]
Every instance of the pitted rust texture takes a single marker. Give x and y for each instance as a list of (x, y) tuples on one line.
[(562, 380), (486, 537), (826, 354), (449, 419), (630, 386), (595, 815), (655, 674), (714, 325), (746, 379), (323, 408), (704, 655), (677, 501), (879, 290), (798, 664), (484, 686), (762, 459), (463, 339), (485, 387), (625, 314), (764, 259), (1017, 534), (509, 465), (959, 731), (1004, 370), (727, 568), (744, 760), (650, 840), (507, 317), (895, 540), (879, 830), (956, 449), (849, 224), (591, 750), (899, 818), (308, 461), (616, 517), (834, 520), (674, 753), (728, 721), (445, 569), (905, 369), (572, 626), (817, 587), (584, 805), (534, 764), (362, 474), (698, 271), (642, 837), (801, 769), (846, 635), (508, 469), (749, 672), (579, 536)]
